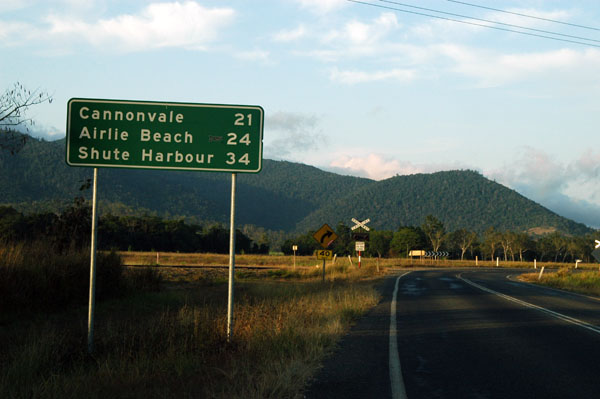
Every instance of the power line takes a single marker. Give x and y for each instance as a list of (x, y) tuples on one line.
[(524, 15), (490, 21), (472, 23)]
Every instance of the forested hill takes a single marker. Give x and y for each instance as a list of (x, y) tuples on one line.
[(284, 196)]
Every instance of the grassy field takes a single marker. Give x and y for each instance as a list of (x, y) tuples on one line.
[(587, 283), (171, 342), (150, 258)]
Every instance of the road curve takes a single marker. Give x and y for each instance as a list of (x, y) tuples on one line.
[(469, 334)]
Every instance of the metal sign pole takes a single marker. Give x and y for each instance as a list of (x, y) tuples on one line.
[(92, 299), (231, 261), (323, 279)]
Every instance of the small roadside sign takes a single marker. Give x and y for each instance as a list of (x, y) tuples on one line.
[(360, 246), (325, 235), (324, 254)]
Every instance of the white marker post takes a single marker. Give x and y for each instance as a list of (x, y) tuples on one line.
[(92, 296), (294, 248), (231, 261)]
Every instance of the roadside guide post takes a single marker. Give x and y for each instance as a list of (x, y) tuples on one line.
[(325, 236), (294, 248), (163, 136)]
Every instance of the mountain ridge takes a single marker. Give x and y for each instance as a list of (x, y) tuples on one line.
[(286, 196)]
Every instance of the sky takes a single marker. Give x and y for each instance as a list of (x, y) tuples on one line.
[(372, 89)]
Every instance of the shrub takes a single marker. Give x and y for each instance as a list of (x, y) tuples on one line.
[(38, 277)]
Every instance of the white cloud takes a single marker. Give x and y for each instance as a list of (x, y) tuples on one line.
[(322, 6), (492, 69), (13, 32), (357, 33), (379, 167), (188, 25), (254, 55), (10, 5), (373, 166), (291, 134), (513, 19), (354, 77), (290, 35), (571, 189)]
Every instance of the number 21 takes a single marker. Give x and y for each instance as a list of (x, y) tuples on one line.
[(241, 118)]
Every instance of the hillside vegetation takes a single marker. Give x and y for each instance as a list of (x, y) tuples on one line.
[(284, 196)]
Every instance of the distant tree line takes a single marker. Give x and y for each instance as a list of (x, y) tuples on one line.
[(71, 229), (431, 235)]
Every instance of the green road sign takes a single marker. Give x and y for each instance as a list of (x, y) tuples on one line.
[(160, 135)]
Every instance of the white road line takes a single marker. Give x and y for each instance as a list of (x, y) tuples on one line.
[(398, 390), (552, 313)]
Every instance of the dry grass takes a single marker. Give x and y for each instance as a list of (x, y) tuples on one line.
[(172, 343), (285, 262), (587, 283)]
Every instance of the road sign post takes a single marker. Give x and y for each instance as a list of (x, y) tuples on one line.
[(231, 261), (164, 136), (359, 247), (325, 236), (92, 292)]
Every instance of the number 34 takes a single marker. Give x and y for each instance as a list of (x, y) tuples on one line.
[(232, 159)]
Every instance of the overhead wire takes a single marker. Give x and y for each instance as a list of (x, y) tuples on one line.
[(525, 15), (475, 23), (489, 21)]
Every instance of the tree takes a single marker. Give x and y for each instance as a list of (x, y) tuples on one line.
[(344, 244), (407, 238), (559, 244), (506, 240), (464, 240), (522, 243), (14, 103), (544, 246), (435, 231), (491, 239), (379, 243)]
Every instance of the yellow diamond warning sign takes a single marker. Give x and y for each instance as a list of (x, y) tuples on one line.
[(325, 235)]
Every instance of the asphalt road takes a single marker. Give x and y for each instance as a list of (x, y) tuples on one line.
[(468, 334)]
